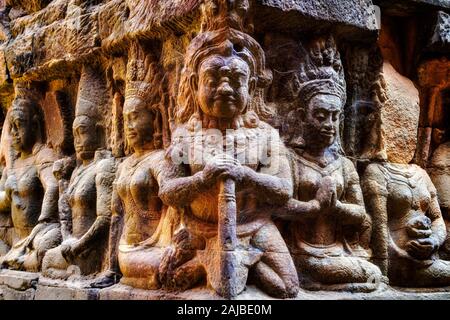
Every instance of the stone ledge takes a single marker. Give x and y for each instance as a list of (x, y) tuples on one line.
[(15, 285)]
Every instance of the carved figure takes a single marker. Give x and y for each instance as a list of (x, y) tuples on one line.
[(85, 204), (28, 187), (440, 175), (329, 233), (141, 223), (402, 200), (226, 230)]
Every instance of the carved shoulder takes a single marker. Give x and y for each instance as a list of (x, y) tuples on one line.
[(374, 180), (45, 156), (426, 178), (106, 171)]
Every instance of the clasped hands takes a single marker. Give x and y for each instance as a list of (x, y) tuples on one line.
[(223, 167), (326, 196)]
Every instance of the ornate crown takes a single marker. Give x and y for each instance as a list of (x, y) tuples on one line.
[(92, 93), (143, 75), (321, 71)]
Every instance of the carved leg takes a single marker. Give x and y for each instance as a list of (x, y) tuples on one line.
[(338, 273), (47, 238), (275, 273), (406, 273), (54, 265), (140, 267), (113, 274)]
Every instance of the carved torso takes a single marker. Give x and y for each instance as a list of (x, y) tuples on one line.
[(409, 196), (26, 194), (322, 234), (137, 188), (27, 191), (249, 212), (82, 199)]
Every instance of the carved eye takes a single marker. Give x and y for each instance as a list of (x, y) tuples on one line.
[(336, 116), (82, 130), (320, 116)]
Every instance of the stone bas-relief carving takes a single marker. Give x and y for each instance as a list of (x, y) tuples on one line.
[(403, 202), (227, 191), (329, 235), (440, 175), (142, 222), (29, 190), (178, 184), (85, 200)]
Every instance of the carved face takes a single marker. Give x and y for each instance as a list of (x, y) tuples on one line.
[(86, 137), (322, 119), (138, 123), (223, 86), (21, 129)]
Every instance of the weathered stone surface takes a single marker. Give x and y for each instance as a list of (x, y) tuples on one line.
[(224, 149), (6, 293), (407, 7), (353, 12), (56, 290), (441, 36), (434, 81), (17, 280), (28, 5), (398, 134)]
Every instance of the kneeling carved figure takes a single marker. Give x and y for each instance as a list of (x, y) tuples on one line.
[(85, 202), (29, 189), (226, 232), (329, 233)]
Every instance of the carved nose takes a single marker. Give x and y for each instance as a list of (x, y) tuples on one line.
[(328, 124), (225, 88), (225, 70), (129, 125)]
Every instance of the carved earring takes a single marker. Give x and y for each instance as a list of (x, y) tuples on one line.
[(157, 134)]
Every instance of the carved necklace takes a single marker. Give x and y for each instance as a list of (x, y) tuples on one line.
[(78, 174), (324, 171), (135, 160), (404, 176), (401, 175)]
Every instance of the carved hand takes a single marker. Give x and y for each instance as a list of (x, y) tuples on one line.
[(67, 249), (422, 248), (326, 194), (225, 167), (419, 227), (183, 249)]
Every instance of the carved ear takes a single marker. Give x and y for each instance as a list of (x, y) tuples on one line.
[(193, 83), (100, 135), (253, 82), (302, 113), (36, 127)]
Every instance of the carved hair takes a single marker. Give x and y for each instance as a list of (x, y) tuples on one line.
[(225, 42), (146, 82), (27, 100), (321, 72), (92, 96)]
